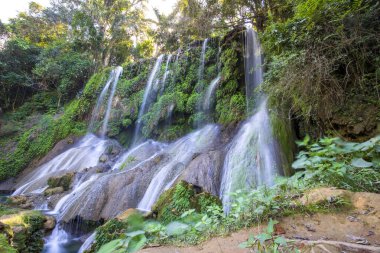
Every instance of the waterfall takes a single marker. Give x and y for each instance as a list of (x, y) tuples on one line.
[(180, 154), (166, 74), (113, 78), (84, 155), (86, 245), (116, 75), (252, 158), (209, 96), (202, 63), (99, 102), (148, 98), (252, 66)]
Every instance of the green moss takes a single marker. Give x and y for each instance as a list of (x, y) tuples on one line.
[(63, 181), (25, 231), (5, 246), (281, 128)]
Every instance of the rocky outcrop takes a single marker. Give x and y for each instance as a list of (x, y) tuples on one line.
[(62, 181), (24, 230), (205, 171), (112, 193)]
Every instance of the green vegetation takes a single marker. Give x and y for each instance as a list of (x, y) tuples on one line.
[(181, 198), (22, 231), (268, 241), (40, 138), (323, 62), (346, 165)]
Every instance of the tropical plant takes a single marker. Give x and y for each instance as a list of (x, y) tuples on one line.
[(268, 241)]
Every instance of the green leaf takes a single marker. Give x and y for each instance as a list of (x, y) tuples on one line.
[(176, 228), (135, 233), (304, 142), (115, 246), (270, 228), (136, 243), (301, 163), (361, 163), (263, 237), (280, 240)]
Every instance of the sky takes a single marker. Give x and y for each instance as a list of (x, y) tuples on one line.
[(10, 8)]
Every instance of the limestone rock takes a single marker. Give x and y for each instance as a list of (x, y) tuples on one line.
[(124, 215), (322, 195), (205, 171), (103, 158), (62, 181), (49, 223), (18, 200), (53, 191)]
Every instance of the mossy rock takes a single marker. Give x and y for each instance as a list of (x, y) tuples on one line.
[(5, 246), (181, 198), (24, 231), (63, 181), (53, 191)]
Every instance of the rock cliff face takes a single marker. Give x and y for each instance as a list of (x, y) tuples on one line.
[(205, 171)]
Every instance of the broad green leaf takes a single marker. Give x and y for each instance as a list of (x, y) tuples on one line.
[(136, 243), (280, 240), (177, 228), (304, 142), (115, 246), (301, 163), (270, 228), (135, 233), (263, 237), (361, 163)]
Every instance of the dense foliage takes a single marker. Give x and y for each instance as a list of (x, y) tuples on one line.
[(323, 64), (58, 48)]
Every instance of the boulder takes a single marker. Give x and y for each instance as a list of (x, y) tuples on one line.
[(17, 200), (49, 223), (110, 194), (205, 171), (103, 158), (62, 181), (53, 191), (324, 195), (124, 215)]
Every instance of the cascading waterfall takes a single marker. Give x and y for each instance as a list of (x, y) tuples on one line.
[(116, 75), (148, 98), (181, 153), (83, 155), (252, 66), (210, 92), (202, 63), (86, 245), (96, 111), (113, 78), (252, 158), (166, 74)]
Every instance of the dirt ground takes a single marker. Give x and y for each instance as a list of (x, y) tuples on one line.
[(358, 227)]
